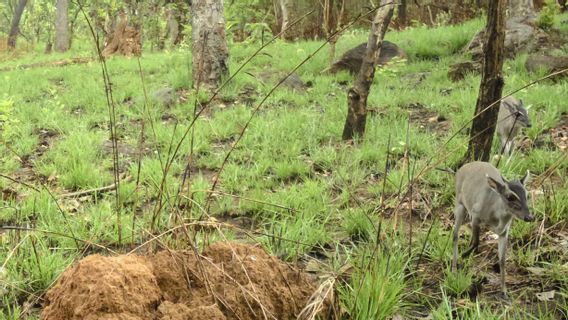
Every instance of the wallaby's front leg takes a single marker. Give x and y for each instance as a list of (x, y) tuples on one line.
[(459, 215), (474, 244), (502, 246)]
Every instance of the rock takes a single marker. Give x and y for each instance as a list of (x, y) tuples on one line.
[(352, 59), (295, 83), (550, 64), (165, 97), (458, 71), (521, 35)]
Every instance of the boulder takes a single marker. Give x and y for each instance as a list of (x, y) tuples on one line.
[(550, 64), (521, 35), (352, 59)]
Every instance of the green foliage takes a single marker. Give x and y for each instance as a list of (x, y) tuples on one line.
[(7, 120), (546, 16), (457, 283), (249, 20), (376, 287)]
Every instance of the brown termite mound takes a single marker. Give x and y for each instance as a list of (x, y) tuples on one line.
[(229, 281), (125, 40)]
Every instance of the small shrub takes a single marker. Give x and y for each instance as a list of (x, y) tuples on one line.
[(545, 19)]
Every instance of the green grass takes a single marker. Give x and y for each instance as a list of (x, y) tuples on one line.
[(304, 192)]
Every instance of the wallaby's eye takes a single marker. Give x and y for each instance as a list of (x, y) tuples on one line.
[(511, 198)]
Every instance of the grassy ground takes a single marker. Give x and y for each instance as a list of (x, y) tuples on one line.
[(290, 183)]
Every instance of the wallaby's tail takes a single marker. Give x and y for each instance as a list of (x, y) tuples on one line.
[(446, 170)]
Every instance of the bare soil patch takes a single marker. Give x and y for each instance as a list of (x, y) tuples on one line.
[(229, 281), (428, 120)]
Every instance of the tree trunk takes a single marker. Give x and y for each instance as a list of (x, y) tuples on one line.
[(357, 95), (15, 27), (520, 8), (172, 26), (402, 14), (332, 21), (210, 61), (487, 107), (62, 26), (284, 4)]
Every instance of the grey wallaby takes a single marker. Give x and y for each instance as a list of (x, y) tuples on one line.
[(512, 117), (491, 201)]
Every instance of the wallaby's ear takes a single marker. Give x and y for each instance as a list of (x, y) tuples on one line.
[(494, 184), (525, 180), (521, 102), (512, 109)]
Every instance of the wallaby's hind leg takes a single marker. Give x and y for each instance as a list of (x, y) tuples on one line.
[(502, 248), (459, 216), (474, 244)]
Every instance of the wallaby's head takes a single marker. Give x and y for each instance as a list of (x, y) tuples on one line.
[(514, 195), (517, 109)]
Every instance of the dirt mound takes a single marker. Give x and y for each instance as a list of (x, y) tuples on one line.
[(230, 281)]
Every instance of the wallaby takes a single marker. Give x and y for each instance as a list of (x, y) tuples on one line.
[(490, 200), (512, 117)]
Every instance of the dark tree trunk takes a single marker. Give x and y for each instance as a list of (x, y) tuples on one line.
[(357, 95), (210, 61), (15, 27), (62, 26), (402, 14), (487, 107)]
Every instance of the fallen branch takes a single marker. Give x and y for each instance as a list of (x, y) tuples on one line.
[(59, 63), (81, 193)]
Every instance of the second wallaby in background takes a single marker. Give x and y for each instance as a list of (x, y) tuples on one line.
[(491, 201), (512, 117)]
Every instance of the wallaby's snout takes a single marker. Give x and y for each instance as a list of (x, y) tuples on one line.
[(529, 218)]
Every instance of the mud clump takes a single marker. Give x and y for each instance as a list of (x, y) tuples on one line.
[(228, 281)]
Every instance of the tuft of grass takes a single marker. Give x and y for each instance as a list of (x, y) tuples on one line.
[(377, 285)]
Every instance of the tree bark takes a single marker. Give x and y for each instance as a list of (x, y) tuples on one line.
[(172, 26), (15, 27), (487, 107), (357, 95), (210, 61), (402, 19), (285, 15), (62, 26), (333, 16)]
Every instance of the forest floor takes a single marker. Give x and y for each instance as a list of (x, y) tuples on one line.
[(371, 220)]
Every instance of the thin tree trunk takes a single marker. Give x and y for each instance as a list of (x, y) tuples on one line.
[(402, 14), (357, 95), (172, 26), (15, 27), (332, 22), (285, 16), (483, 126), (210, 61), (62, 26)]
